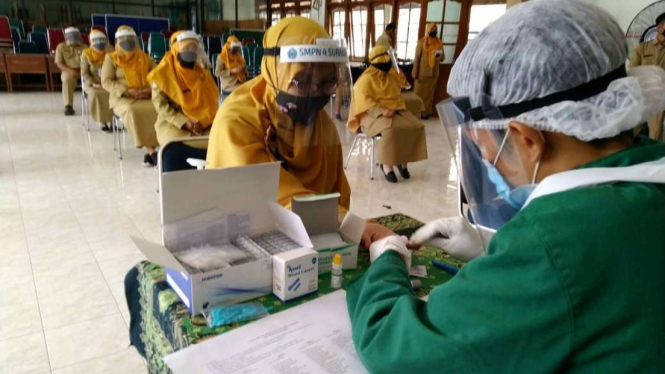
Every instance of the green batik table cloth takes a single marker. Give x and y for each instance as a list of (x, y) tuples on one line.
[(160, 323)]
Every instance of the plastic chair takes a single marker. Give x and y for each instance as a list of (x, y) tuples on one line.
[(16, 38), (40, 41), (249, 59), (117, 127), (39, 29), (5, 34), (55, 37), (145, 36), (167, 34), (156, 46), (15, 22), (26, 47), (176, 155), (214, 45), (85, 38), (246, 41), (258, 57), (85, 114), (361, 136)]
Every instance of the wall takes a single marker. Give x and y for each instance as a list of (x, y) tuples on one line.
[(623, 10)]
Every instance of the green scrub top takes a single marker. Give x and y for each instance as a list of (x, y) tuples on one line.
[(575, 282)]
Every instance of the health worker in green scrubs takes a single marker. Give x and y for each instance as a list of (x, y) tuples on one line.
[(575, 281)]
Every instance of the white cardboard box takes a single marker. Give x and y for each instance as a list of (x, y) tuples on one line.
[(320, 217), (249, 189), (295, 273)]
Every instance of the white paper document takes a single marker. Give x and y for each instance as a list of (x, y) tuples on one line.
[(311, 338)]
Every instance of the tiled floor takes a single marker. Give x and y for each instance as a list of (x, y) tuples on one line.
[(67, 208)]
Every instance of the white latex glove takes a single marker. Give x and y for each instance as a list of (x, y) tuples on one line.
[(454, 235), (391, 243)]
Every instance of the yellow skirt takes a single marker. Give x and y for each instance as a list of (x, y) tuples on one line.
[(139, 116), (425, 87), (98, 103), (403, 137)]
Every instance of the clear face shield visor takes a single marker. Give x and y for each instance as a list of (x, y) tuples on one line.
[(493, 181), (73, 37), (313, 85), (126, 43), (189, 50)]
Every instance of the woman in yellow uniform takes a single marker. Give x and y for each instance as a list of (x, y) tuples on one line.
[(183, 92), (125, 77), (231, 67), (91, 69), (378, 108), (279, 116), (429, 53)]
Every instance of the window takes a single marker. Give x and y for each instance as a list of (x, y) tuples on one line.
[(338, 23), (482, 16), (446, 14), (382, 16), (290, 13), (305, 12), (407, 30), (358, 31)]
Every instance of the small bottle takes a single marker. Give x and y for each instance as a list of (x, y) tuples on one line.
[(336, 278)]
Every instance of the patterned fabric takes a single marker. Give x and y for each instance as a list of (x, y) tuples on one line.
[(160, 323)]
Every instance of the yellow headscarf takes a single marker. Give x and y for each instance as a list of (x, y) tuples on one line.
[(193, 89), (135, 64), (94, 56), (431, 45), (241, 134), (233, 61), (374, 87)]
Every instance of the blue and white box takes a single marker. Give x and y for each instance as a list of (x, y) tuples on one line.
[(295, 273), (248, 190)]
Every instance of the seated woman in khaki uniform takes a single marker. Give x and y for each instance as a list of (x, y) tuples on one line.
[(183, 92), (68, 60), (91, 68), (125, 77), (231, 67), (378, 108)]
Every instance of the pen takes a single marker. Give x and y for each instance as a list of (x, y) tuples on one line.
[(445, 267)]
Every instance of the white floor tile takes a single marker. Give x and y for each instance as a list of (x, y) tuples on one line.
[(115, 269), (84, 341), (19, 319), (24, 354), (126, 361)]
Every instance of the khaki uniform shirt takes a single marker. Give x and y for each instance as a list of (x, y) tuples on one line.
[(90, 72), (69, 55), (385, 39), (113, 78), (648, 53)]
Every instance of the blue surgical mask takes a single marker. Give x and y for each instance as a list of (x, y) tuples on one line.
[(516, 197)]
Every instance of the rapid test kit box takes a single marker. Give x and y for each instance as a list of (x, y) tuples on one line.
[(319, 214), (295, 273), (244, 199)]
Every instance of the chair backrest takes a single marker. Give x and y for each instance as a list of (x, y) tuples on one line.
[(214, 45), (145, 36), (55, 37), (173, 155), (5, 29), (156, 45), (15, 22), (249, 59), (16, 38), (40, 41), (225, 36), (27, 47), (144, 46), (39, 29), (246, 41), (167, 34), (85, 37), (258, 57)]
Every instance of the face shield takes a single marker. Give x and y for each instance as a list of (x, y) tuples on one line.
[(306, 77), (73, 36), (492, 177), (236, 50), (98, 42), (189, 50), (125, 40), (385, 61)]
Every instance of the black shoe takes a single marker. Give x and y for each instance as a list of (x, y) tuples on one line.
[(404, 172), (390, 177), (153, 156), (106, 128), (338, 117), (147, 160), (424, 117), (69, 111)]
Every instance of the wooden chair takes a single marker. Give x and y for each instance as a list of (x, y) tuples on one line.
[(28, 64)]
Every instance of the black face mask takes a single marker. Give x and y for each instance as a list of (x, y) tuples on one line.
[(383, 66), (128, 45), (99, 46), (187, 59), (302, 109), (432, 34)]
